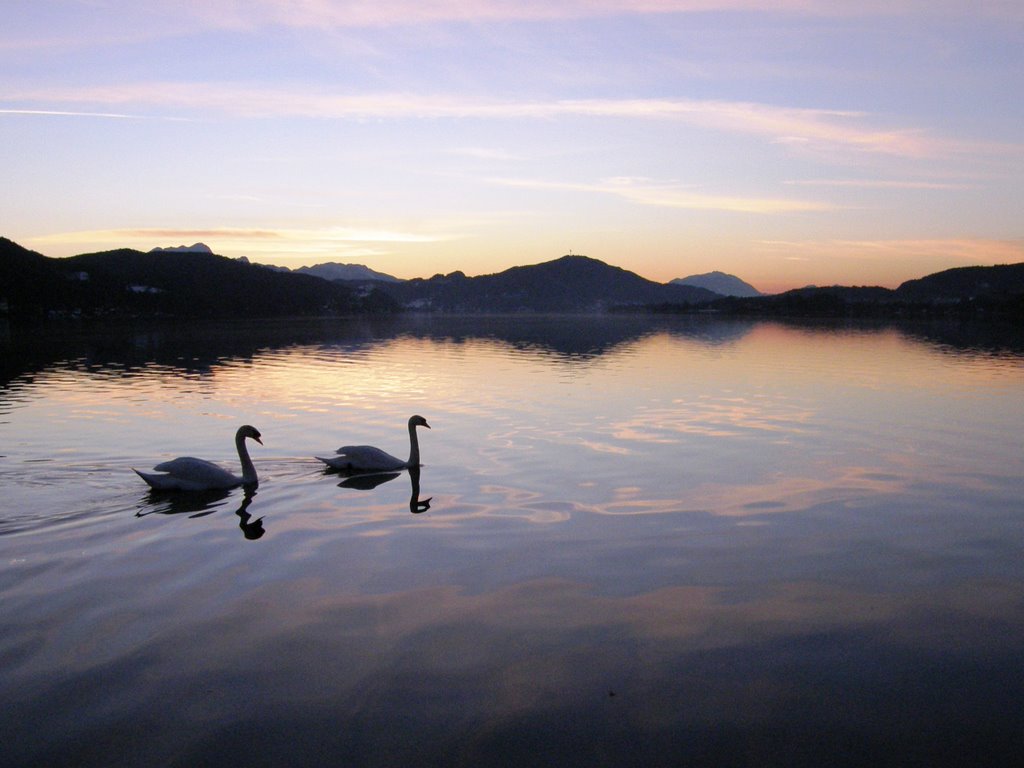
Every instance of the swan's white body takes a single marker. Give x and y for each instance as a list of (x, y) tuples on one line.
[(367, 458), (190, 474)]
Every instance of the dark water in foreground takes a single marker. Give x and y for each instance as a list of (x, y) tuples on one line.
[(688, 542)]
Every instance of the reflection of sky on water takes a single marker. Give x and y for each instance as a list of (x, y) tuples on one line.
[(753, 531)]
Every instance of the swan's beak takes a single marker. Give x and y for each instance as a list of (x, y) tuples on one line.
[(258, 440), (426, 425)]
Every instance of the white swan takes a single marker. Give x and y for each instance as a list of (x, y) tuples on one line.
[(188, 474), (366, 458)]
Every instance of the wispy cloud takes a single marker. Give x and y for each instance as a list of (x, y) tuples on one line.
[(956, 250), (350, 14), (674, 195), (351, 242), (70, 113), (155, 235), (342, 14), (879, 184), (823, 129), (484, 153), (105, 23)]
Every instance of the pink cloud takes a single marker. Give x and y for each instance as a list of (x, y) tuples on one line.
[(802, 128)]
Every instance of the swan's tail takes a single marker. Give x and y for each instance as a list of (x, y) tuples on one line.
[(150, 479), (335, 462)]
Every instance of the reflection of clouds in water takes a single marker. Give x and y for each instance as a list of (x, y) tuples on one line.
[(842, 488), (601, 447), (558, 617), (510, 504), (778, 493), (714, 417), (364, 512)]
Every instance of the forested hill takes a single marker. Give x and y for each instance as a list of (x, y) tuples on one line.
[(965, 292), (568, 284), (966, 283), (128, 283)]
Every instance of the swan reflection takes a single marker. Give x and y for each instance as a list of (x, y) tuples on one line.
[(366, 482), (415, 505), (251, 529), (198, 504), (369, 481), (203, 503)]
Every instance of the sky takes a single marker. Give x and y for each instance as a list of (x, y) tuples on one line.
[(790, 143)]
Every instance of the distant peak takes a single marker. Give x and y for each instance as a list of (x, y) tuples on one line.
[(333, 270), (194, 248), (719, 282)]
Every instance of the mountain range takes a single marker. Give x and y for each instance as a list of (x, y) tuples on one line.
[(170, 283), (569, 284), (191, 281)]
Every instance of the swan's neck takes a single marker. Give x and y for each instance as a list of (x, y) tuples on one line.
[(414, 447), (248, 470)]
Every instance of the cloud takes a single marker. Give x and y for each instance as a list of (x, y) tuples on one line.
[(878, 184), (273, 243), (156, 235), (57, 25), (484, 153), (69, 113), (347, 14), (673, 195), (825, 130), (958, 250), (354, 14)]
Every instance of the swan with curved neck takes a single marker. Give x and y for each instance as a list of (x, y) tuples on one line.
[(190, 474), (367, 458)]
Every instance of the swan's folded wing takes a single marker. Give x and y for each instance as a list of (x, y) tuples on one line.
[(368, 457), (200, 472)]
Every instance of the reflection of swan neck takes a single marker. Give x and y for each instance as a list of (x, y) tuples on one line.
[(248, 470), (415, 505), (251, 529)]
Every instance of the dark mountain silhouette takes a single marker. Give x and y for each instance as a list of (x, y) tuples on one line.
[(195, 284), (966, 283), (720, 283), (996, 291), (30, 282), (170, 283), (568, 284)]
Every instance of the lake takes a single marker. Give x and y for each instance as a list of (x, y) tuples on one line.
[(683, 541)]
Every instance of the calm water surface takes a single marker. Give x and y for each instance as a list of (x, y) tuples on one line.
[(685, 542)]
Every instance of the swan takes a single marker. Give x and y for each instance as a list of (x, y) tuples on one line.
[(367, 458), (188, 474)]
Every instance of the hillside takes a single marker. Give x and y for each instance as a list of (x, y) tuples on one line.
[(27, 278), (964, 292), (568, 284), (966, 283), (128, 283)]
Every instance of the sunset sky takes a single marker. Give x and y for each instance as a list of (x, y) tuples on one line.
[(817, 142)]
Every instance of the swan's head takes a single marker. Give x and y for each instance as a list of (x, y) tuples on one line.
[(250, 432), (418, 421)]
